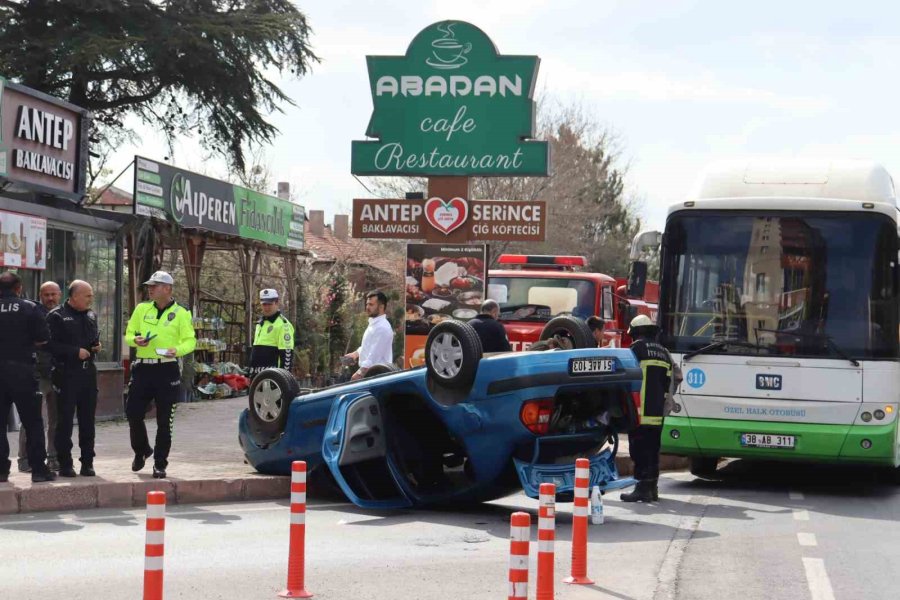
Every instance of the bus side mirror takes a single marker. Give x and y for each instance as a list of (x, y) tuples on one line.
[(637, 279)]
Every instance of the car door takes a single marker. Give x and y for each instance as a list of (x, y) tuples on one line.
[(355, 449)]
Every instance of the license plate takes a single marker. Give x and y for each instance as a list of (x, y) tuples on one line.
[(591, 366), (767, 440)]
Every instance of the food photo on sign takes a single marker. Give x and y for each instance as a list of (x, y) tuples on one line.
[(442, 282)]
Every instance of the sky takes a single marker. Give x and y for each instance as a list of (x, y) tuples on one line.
[(681, 84)]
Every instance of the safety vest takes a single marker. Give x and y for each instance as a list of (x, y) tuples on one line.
[(171, 328), (273, 342), (656, 369)]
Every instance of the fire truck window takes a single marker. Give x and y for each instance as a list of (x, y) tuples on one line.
[(607, 303), (559, 300)]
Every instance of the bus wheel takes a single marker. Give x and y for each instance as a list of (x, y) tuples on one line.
[(704, 466)]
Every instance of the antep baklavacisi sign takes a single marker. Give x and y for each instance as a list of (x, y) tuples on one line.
[(198, 202), (43, 142), (452, 106)]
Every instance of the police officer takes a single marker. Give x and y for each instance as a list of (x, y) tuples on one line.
[(273, 340), (49, 295), (162, 331), (74, 342), (24, 329), (644, 442)]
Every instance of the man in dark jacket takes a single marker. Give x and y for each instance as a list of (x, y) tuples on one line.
[(74, 341), (644, 442), (489, 329)]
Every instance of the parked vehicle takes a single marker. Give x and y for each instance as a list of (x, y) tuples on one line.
[(780, 301), (534, 290), (463, 428)]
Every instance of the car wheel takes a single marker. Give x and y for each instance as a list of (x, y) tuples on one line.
[(271, 393), (704, 466), (379, 370), (569, 331), (452, 353)]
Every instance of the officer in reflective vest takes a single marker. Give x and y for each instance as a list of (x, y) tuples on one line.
[(273, 340), (162, 331), (644, 442)]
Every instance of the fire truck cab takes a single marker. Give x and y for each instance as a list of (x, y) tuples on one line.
[(533, 289)]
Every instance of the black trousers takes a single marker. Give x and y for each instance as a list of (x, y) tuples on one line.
[(77, 385), (159, 383), (19, 386), (643, 446)]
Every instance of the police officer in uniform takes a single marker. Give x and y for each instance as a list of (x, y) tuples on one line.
[(74, 342), (273, 340), (644, 442), (24, 329), (162, 331)]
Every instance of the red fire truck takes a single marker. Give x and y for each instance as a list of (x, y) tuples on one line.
[(535, 290)]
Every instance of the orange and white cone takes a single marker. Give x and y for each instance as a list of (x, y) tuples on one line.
[(546, 536), (519, 535), (296, 584), (154, 546), (579, 524)]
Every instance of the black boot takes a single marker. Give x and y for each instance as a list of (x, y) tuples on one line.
[(140, 460), (159, 472), (66, 470), (643, 492), (87, 468), (654, 488), (43, 475)]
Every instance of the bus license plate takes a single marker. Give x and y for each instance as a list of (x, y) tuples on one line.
[(590, 366), (767, 440)]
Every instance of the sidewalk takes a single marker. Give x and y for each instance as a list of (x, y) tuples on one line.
[(205, 465)]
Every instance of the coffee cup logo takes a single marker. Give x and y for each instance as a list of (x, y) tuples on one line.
[(447, 52)]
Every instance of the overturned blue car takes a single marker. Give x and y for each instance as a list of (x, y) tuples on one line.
[(464, 428)]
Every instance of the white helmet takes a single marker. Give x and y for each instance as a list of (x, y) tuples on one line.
[(640, 321)]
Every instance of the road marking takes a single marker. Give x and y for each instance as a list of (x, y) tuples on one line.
[(173, 511), (807, 539), (667, 580), (801, 514), (796, 495), (817, 579)]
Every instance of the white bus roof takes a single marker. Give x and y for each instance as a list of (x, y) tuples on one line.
[(857, 180)]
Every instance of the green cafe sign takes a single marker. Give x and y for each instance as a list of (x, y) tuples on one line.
[(451, 106), (196, 202)]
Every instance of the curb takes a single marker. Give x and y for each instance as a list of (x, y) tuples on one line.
[(113, 494)]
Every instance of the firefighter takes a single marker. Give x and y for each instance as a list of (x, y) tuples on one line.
[(273, 340), (163, 332), (644, 442), (24, 330)]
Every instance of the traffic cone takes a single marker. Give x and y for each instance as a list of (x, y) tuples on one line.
[(153, 548), (579, 524), (519, 534), (296, 585), (546, 536)]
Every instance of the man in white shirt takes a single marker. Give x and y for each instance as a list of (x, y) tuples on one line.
[(378, 340)]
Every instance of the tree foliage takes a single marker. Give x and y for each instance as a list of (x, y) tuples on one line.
[(186, 66)]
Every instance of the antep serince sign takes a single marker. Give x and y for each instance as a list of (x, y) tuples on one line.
[(452, 106), (43, 142), (198, 202)]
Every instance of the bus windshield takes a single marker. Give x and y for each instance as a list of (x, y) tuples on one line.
[(798, 284), (542, 298)]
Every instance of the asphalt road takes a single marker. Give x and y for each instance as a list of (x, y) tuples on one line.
[(761, 531)]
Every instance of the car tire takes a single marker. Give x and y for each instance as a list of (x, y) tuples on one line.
[(569, 327), (704, 466), (452, 353), (271, 394), (379, 370)]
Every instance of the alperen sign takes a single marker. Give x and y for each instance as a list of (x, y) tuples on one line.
[(452, 106), (197, 202), (43, 142)]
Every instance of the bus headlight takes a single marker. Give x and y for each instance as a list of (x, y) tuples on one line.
[(675, 434), (676, 408), (866, 416), (879, 414), (866, 444)]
